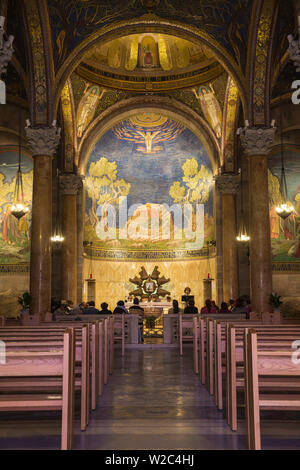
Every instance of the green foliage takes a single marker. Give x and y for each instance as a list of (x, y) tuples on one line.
[(103, 186), (197, 184), (275, 300), (25, 300), (150, 322)]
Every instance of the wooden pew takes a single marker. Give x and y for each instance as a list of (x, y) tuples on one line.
[(50, 331), (196, 344), (43, 365), (206, 369), (284, 373), (82, 361), (202, 350), (212, 347), (106, 350), (119, 326), (235, 361), (185, 321)]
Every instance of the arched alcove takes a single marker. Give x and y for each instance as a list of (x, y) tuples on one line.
[(149, 153)]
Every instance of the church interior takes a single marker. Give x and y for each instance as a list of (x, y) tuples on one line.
[(149, 224)]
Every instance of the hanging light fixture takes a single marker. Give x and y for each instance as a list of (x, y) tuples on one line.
[(19, 208), (242, 236), (57, 237), (285, 209)]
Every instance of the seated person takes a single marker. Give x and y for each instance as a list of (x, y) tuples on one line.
[(175, 309), (240, 306), (104, 309), (60, 310), (135, 308), (191, 308), (120, 308), (213, 304), (169, 300), (76, 309), (209, 308), (231, 305), (91, 310), (224, 308)]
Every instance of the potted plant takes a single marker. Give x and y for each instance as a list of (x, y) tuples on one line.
[(150, 322), (25, 300), (275, 301)]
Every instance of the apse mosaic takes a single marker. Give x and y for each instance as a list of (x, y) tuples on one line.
[(285, 234), (149, 190), (14, 234)]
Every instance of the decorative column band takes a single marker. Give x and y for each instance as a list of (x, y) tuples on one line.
[(70, 184), (6, 48), (257, 140), (43, 140), (228, 183), (294, 47)]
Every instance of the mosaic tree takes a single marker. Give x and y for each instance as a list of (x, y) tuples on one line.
[(104, 187), (196, 187)]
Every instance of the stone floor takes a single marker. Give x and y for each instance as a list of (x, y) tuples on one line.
[(153, 401)]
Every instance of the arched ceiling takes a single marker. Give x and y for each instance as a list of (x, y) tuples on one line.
[(133, 61), (72, 21)]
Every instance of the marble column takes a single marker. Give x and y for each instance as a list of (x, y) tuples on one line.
[(42, 143), (256, 142), (228, 184), (70, 184)]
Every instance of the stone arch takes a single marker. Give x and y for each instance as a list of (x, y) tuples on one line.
[(40, 58), (264, 19), (163, 105), (157, 25)]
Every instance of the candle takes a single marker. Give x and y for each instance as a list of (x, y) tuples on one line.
[(208, 276), (91, 276)]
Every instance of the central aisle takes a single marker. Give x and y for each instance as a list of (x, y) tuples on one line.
[(154, 401)]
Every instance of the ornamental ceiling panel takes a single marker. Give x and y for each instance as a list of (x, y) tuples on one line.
[(137, 62), (72, 21)]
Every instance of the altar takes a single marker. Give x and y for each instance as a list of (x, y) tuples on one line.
[(153, 317), (152, 308)]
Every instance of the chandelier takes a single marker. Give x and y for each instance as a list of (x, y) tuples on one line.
[(242, 236), (19, 208), (57, 236), (285, 209)]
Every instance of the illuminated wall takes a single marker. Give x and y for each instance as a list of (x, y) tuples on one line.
[(14, 234), (149, 163)]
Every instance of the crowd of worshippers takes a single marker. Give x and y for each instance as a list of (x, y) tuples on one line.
[(241, 305), (67, 307)]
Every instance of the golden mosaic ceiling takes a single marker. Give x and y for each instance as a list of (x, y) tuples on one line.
[(143, 62)]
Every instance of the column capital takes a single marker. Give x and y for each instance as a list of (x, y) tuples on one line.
[(6, 48), (257, 140), (43, 140), (294, 51), (228, 183), (70, 184)]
